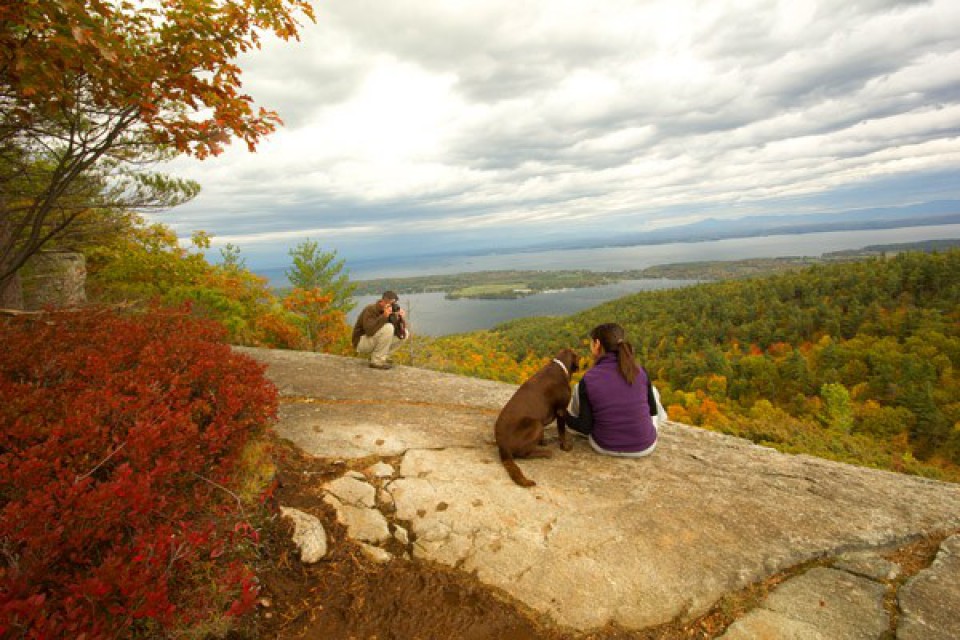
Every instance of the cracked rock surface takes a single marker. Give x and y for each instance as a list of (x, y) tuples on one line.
[(930, 601), (635, 542), (821, 603)]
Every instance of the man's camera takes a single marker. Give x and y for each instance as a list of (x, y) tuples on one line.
[(399, 325), (394, 317)]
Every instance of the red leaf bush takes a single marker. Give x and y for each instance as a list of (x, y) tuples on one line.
[(119, 436)]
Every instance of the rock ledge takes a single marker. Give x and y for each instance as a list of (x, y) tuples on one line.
[(636, 542)]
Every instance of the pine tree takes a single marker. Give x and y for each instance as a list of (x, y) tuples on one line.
[(315, 269)]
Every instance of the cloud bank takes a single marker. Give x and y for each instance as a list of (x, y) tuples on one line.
[(427, 124)]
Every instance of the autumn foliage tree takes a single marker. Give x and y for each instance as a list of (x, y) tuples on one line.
[(92, 90), (148, 264), (324, 326)]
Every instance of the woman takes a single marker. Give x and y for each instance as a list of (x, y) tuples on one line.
[(615, 402)]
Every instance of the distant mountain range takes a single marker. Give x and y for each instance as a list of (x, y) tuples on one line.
[(917, 215), (940, 212)]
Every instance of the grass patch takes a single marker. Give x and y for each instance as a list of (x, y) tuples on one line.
[(504, 290), (256, 470)]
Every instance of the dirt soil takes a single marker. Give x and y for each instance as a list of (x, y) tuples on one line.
[(346, 596)]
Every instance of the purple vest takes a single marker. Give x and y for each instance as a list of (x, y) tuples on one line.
[(621, 412)]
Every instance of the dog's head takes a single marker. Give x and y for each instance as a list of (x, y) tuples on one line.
[(570, 360)]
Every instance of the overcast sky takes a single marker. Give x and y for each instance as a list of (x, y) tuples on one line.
[(423, 125)]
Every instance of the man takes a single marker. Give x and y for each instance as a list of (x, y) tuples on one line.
[(373, 332)]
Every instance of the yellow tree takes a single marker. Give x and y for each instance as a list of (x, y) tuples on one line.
[(148, 263)]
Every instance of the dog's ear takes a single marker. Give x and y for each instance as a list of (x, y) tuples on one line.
[(574, 360)]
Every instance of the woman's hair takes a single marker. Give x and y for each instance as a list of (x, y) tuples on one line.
[(611, 337)]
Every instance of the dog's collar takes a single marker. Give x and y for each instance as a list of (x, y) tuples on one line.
[(562, 366)]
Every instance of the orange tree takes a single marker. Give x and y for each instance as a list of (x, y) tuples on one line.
[(91, 89), (324, 327)]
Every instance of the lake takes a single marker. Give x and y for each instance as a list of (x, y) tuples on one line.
[(432, 314)]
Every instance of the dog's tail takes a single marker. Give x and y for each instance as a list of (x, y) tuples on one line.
[(515, 474)]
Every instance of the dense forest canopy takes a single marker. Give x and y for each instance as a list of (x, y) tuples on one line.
[(856, 361)]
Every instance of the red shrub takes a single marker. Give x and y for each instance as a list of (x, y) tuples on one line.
[(118, 436)]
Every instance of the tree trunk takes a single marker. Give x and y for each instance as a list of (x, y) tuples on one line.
[(11, 294)]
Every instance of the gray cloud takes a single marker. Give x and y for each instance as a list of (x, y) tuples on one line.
[(502, 119)]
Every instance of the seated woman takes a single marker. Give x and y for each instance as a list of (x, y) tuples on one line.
[(614, 404)]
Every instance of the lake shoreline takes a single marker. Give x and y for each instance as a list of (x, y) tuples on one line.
[(431, 314), (511, 284)]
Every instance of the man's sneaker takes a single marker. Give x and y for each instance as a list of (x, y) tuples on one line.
[(385, 365)]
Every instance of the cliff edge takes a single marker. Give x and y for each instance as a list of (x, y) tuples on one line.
[(634, 542)]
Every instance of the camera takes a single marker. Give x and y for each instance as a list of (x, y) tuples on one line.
[(399, 324), (393, 317)]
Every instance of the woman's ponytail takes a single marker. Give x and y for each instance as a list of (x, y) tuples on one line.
[(626, 361)]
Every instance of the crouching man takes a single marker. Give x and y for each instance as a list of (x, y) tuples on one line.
[(380, 330)]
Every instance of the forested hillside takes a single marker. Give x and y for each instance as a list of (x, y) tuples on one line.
[(858, 361)]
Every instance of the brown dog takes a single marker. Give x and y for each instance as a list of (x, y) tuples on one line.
[(538, 401)]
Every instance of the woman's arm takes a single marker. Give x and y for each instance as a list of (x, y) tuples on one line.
[(584, 421), (651, 398)]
